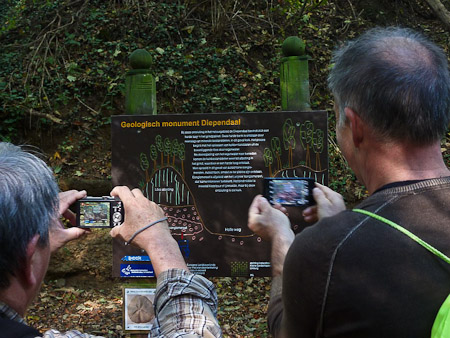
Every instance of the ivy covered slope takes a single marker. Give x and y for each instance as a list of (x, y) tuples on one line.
[(63, 64)]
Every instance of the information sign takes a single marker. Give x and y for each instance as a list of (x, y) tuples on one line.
[(205, 169)]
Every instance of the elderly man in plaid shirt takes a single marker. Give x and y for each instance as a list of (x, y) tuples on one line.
[(30, 230)]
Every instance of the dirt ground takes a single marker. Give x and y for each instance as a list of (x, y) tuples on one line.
[(79, 293)]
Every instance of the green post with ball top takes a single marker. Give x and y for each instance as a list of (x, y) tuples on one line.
[(140, 85), (294, 76)]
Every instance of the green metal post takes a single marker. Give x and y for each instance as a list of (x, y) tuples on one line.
[(294, 76), (140, 85), (140, 98)]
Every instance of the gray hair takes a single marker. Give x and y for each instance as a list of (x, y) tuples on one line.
[(397, 81), (28, 205)]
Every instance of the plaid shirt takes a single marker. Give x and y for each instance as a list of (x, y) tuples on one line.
[(68, 334), (185, 306)]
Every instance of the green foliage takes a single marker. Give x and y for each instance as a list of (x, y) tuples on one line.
[(10, 97), (302, 7), (299, 12), (445, 148), (63, 63), (11, 13), (74, 57), (211, 80)]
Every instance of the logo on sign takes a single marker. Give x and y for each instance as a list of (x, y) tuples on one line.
[(136, 270)]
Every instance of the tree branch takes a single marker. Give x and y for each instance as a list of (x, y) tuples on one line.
[(439, 9), (45, 115)]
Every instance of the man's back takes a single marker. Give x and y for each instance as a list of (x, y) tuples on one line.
[(353, 276)]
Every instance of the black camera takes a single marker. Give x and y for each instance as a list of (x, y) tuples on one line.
[(100, 212), (292, 191)]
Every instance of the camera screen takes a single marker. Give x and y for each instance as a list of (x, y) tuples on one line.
[(95, 214), (289, 192)]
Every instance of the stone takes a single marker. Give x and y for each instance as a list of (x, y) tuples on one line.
[(140, 309)]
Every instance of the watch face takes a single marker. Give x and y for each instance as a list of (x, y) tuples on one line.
[(117, 217)]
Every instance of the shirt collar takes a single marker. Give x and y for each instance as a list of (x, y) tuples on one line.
[(7, 312), (397, 184)]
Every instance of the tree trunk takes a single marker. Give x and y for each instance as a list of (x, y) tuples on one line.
[(443, 14)]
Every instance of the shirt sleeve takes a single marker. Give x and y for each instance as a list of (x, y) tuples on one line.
[(275, 309), (185, 306)]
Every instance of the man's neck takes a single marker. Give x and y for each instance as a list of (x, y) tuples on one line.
[(394, 163), (16, 298)]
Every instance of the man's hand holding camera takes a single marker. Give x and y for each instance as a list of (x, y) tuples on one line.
[(156, 240), (328, 203), (268, 222), (273, 225), (139, 212), (59, 235)]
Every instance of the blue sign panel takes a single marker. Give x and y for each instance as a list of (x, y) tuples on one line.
[(137, 270), (136, 259)]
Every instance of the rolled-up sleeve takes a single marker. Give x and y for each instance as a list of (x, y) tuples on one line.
[(185, 306)]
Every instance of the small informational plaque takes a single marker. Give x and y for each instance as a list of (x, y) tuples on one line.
[(138, 310), (204, 171)]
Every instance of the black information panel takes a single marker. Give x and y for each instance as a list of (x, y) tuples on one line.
[(204, 170)]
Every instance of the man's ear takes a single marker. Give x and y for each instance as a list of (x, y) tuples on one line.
[(28, 273), (356, 125)]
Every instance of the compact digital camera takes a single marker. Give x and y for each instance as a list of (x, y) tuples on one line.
[(292, 191), (100, 212)]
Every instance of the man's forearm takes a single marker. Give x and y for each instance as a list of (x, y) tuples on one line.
[(165, 254), (280, 247)]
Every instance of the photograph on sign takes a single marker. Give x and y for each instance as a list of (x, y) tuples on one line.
[(138, 309)]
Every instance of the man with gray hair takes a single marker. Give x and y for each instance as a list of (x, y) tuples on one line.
[(352, 274), (30, 230)]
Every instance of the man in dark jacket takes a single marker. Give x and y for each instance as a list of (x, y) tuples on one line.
[(350, 275)]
